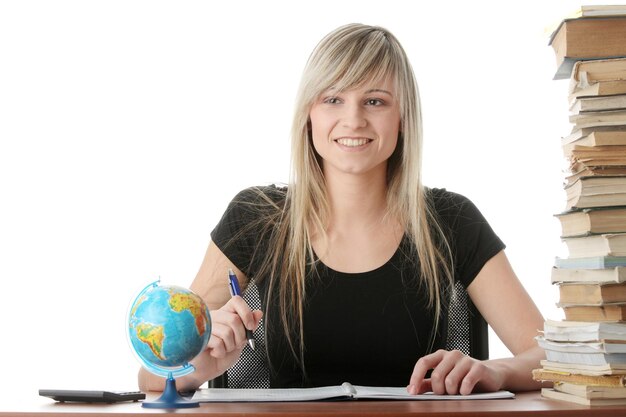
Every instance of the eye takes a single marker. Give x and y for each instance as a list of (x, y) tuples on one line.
[(374, 102), (331, 100)]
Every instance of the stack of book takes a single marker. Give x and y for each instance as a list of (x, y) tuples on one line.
[(586, 352), (586, 361)]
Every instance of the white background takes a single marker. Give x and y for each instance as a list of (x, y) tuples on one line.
[(127, 126)]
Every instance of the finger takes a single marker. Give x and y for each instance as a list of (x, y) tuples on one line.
[(481, 377), (238, 305), (442, 370), (423, 365), (422, 388), (470, 380), (216, 348), (457, 375), (228, 327), (222, 340), (258, 315)]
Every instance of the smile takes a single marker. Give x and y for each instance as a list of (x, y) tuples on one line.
[(352, 142)]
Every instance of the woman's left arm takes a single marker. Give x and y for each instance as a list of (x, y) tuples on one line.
[(509, 310)]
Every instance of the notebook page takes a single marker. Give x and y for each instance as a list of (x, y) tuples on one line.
[(264, 395), (401, 393)]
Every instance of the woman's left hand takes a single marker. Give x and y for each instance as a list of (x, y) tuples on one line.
[(453, 373)]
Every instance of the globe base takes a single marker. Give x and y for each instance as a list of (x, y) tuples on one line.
[(170, 398)]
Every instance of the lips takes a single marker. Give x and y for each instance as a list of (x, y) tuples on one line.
[(353, 142)]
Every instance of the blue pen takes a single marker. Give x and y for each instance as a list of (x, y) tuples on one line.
[(233, 286)]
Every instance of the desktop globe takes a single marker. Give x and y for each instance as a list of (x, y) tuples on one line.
[(168, 326)]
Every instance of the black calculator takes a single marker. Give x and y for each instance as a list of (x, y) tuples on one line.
[(66, 395)]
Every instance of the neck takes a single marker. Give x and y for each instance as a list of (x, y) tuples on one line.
[(357, 199), (359, 235)]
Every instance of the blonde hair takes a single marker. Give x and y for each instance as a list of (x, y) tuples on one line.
[(348, 57)]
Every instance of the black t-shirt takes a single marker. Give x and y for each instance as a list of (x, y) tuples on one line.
[(367, 328)]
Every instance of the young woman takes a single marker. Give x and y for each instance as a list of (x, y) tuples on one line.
[(355, 259)]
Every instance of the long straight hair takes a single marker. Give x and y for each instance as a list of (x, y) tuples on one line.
[(346, 58)]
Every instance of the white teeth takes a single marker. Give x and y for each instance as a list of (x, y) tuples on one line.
[(352, 142)]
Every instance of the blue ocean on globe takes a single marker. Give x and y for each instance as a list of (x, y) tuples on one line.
[(168, 326)]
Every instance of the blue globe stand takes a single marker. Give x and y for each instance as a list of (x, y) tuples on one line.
[(170, 398)]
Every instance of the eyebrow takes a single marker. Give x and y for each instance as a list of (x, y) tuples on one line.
[(378, 90), (371, 90)]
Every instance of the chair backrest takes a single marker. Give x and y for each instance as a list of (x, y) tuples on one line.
[(466, 331)]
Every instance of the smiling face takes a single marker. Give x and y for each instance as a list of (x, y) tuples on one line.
[(355, 131)]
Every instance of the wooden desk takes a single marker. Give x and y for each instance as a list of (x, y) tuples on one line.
[(525, 404)]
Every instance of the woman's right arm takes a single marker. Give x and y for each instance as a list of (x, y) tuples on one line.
[(228, 316)]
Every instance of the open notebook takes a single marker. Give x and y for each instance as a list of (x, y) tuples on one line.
[(343, 391)]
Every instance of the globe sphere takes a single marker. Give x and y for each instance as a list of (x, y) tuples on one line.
[(168, 326)]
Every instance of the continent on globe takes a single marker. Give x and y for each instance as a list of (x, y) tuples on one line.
[(152, 336), (194, 304)]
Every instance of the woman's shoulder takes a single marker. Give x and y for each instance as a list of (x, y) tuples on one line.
[(249, 210), (258, 200), (443, 199), (453, 208), (257, 194)]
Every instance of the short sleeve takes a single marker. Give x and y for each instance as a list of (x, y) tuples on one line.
[(237, 234), (472, 240)]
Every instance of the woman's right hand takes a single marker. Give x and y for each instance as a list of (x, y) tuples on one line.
[(228, 332)]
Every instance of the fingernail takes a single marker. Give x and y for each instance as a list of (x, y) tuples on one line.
[(411, 389)]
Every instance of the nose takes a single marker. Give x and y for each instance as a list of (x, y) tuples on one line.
[(354, 117)]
